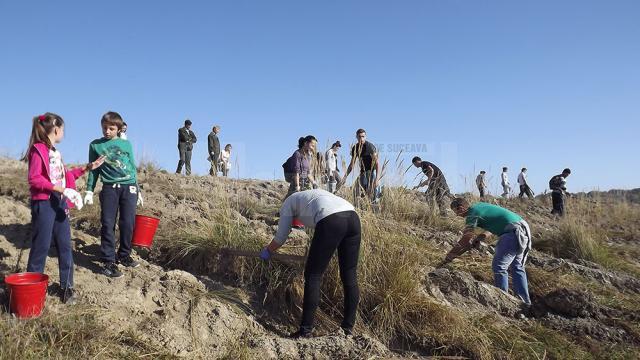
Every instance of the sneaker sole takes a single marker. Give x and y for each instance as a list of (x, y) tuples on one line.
[(112, 276), (130, 266)]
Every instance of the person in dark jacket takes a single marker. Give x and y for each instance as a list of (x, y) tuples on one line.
[(186, 139), (214, 150), (365, 156), (297, 168), (438, 190), (558, 186)]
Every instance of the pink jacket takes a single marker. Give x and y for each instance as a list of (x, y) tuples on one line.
[(40, 184)]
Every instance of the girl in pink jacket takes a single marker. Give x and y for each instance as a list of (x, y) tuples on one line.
[(52, 188)]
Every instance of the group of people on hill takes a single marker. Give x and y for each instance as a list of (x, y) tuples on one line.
[(557, 185), (220, 159), (335, 220), (308, 169)]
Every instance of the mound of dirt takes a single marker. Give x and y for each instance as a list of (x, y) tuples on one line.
[(463, 291), (572, 304), (170, 309)]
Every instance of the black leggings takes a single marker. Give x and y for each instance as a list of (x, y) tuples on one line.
[(339, 231)]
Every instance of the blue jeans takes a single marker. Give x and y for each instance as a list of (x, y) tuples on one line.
[(117, 200), (365, 182), (49, 222), (506, 257)]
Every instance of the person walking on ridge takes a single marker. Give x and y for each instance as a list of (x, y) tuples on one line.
[(506, 185), (524, 186), (333, 171), (186, 139), (213, 145), (481, 184), (558, 186)]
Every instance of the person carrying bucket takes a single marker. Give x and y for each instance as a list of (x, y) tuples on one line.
[(53, 192), (120, 194), (337, 227)]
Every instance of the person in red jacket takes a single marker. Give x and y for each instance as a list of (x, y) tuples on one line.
[(53, 192)]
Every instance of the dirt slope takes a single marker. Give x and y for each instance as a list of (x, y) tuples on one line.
[(190, 309)]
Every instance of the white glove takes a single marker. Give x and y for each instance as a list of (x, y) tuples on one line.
[(88, 197), (74, 197), (140, 199)]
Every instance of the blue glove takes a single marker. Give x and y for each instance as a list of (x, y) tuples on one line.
[(265, 254)]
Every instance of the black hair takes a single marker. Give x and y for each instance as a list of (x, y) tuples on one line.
[(505, 168), (360, 131), (566, 171), (416, 158), (459, 202)]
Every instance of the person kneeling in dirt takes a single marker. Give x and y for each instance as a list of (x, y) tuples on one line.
[(337, 227), (513, 245)]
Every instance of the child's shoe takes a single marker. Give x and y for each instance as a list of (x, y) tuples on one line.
[(128, 262), (111, 270)]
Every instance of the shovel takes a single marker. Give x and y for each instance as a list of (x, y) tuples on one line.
[(285, 258)]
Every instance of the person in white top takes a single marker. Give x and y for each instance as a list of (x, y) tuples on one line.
[(524, 187), (225, 160), (337, 227), (333, 171), (122, 134), (506, 186)]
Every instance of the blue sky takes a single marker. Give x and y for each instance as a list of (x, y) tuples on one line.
[(469, 84)]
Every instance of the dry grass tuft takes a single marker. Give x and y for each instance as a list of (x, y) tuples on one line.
[(76, 334)]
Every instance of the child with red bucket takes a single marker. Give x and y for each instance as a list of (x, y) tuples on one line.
[(119, 196), (52, 187)]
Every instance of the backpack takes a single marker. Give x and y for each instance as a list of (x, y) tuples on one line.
[(556, 183), (289, 168)]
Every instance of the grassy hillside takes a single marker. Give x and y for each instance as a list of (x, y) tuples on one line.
[(584, 272)]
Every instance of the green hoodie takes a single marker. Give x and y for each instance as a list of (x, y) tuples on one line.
[(119, 166)]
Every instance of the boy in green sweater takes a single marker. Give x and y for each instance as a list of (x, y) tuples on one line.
[(120, 193)]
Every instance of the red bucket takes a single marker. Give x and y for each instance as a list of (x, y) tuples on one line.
[(297, 224), (144, 230), (27, 293)]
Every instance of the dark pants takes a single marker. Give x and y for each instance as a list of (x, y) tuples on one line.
[(558, 203), (339, 231), (438, 192), (305, 184), (185, 158), (481, 189), (525, 189), (214, 165), (49, 221), (114, 199), (365, 184)]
